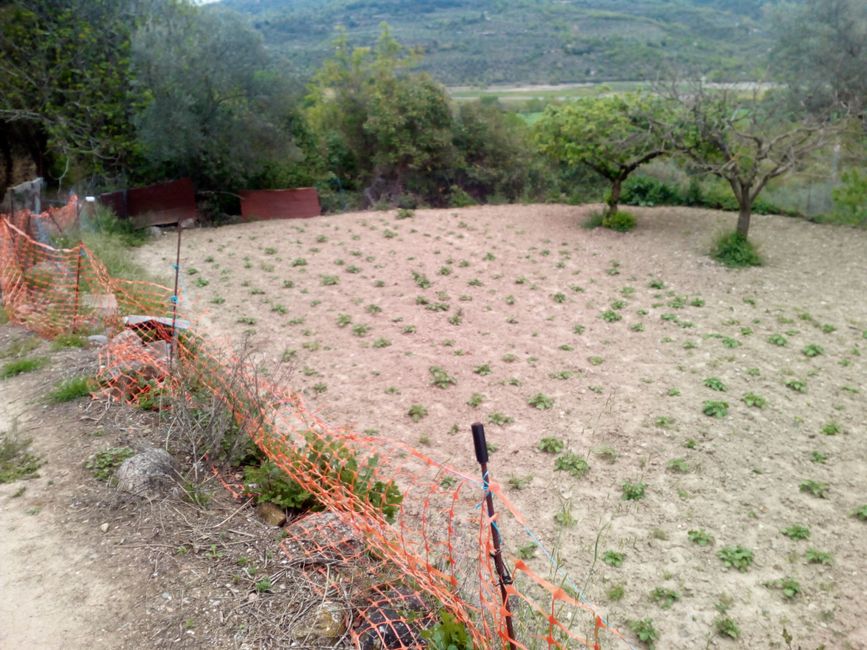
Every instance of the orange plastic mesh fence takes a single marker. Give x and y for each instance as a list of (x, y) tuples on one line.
[(415, 524)]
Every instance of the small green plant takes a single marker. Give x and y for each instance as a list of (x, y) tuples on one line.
[(715, 409), (528, 551), (735, 250), (813, 350), (797, 385), (611, 316), (500, 419), (615, 593), (541, 401), (715, 384), (736, 557), (730, 343), (16, 460), (329, 280), (664, 422), (440, 378), (381, 343), (20, 366), (421, 280), (573, 464), (417, 412), (756, 401), (860, 513), (815, 556), (814, 488), (645, 631), (246, 320), (818, 457), (633, 491), (475, 400), (343, 320), (551, 445), (778, 339), (613, 558), (360, 329), (789, 586), (700, 537), (404, 213), (519, 482), (608, 454), (797, 532), (103, 464), (483, 370), (831, 429), (663, 597), (725, 626), (678, 466), (73, 388)]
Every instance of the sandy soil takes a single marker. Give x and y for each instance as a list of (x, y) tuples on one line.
[(523, 290)]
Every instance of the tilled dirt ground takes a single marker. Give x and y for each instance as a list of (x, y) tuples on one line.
[(627, 337)]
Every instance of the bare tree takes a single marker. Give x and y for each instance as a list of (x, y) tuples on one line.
[(740, 136)]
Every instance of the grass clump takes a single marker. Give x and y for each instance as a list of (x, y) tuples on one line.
[(700, 537), (73, 388), (69, 341), (725, 626), (16, 461), (663, 597), (417, 412), (440, 378), (619, 221), (797, 532), (20, 366), (756, 401), (814, 488), (735, 251)]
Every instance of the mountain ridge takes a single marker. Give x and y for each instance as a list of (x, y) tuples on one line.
[(484, 42)]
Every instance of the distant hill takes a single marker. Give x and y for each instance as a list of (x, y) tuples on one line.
[(529, 41)]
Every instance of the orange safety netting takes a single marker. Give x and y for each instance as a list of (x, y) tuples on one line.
[(417, 528)]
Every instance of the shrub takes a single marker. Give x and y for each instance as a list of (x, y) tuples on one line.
[(850, 199), (619, 221), (648, 191), (735, 251), (332, 461)]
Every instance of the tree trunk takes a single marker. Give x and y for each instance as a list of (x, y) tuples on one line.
[(746, 211), (614, 197)]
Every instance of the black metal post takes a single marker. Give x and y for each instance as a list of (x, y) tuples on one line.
[(481, 446)]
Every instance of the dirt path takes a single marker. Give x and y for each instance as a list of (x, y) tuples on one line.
[(55, 594)]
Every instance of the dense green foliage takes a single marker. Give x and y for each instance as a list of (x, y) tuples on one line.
[(611, 135), (529, 41)]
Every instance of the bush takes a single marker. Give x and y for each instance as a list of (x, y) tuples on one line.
[(648, 191), (850, 199), (735, 251), (331, 460), (619, 221)]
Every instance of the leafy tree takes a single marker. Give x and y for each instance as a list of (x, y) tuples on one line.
[(746, 141), (65, 90), (381, 129), (612, 135), (495, 152), (821, 51), (218, 109)]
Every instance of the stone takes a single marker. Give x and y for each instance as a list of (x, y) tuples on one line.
[(104, 527), (271, 514), (149, 474), (325, 624), (154, 231), (97, 340), (161, 351), (127, 338)]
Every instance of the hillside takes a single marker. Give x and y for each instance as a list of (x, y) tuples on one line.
[(529, 41)]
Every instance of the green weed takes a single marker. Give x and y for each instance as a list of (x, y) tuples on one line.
[(21, 366), (715, 409), (73, 388), (103, 464), (735, 251), (551, 445), (613, 558), (814, 488), (573, 464), (736, 557), (700, 537), (541, 401), (633, 491)]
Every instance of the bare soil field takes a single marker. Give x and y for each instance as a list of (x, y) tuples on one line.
[(731, 401)]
